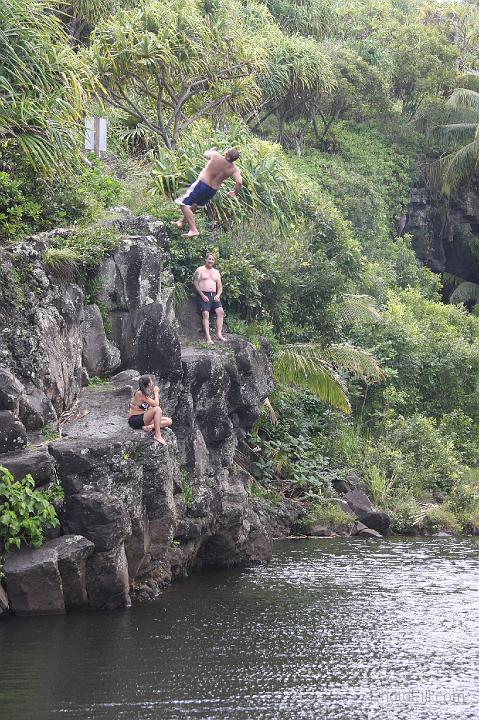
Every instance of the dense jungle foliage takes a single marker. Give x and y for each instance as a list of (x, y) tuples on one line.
[(338, 109)]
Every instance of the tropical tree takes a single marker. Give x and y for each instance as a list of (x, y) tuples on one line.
[(460, 163), (43, 86), (168, 63), (299, 73), (80, 16)]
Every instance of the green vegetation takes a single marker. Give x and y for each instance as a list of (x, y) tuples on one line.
[(326, 513), (338, 109), (186, 488), (24, 512)]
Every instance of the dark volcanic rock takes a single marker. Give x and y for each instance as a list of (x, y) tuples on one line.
[(35, 409), (37, 462), (72, 553), (33, 581), (100, 356), (359, 502), (99, 517), (107, 579), (13, 435), (10, 391), (379, 521)]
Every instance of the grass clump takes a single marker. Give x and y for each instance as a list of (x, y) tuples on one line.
[(441, 519), (327, 513)]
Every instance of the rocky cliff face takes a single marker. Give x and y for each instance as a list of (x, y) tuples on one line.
[(445, 233), (135, 515)]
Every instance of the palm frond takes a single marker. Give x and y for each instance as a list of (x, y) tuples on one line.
[(465, 292), (448, 171), (354, 360), (464, 98), (304, 366), (359, 309)]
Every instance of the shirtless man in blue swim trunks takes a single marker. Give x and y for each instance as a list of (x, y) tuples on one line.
[(218, 169), (208, 285)]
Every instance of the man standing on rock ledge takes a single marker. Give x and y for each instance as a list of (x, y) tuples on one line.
[(218, 169), (207, 283)]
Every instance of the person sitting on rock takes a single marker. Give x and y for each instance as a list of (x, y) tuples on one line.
[(207, 283), (217, 170), (145, 412)]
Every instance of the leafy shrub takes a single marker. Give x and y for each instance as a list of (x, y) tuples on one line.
[(24, 512), (470, 522), (19, 214), (441, 518), (403, 511), (260, 491)]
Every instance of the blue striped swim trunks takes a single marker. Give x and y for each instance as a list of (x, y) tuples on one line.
[(197, 194)]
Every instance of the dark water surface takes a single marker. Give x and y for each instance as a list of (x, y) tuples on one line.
[(330, 630)]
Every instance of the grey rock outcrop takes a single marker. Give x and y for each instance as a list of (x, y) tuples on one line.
[(4, 604), (135, 514), (100, 356), (13, 434), (46, 580), (36, 462)]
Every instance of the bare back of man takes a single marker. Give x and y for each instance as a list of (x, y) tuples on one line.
[(218, 169)]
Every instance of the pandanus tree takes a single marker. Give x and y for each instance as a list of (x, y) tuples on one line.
[(43, 86), (168, 63)]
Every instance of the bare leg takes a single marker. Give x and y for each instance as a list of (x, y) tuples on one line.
[(205, 317), (156, 415), (220, 313), (189, 215), (148, 428)]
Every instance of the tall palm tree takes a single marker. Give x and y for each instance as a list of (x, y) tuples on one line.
[(451, 169)]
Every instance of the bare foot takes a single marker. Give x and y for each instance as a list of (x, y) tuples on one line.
[(190, 233), (159, 439), (220, 337), (148, 428), (178, 223), (210, 341)]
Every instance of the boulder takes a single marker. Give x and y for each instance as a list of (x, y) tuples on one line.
[(10, 390), (37, 462), (359, 502), (379, 521), (107, 579), (360, 530), (97, 516), (125, 377), (100, 356), (72, 553), (35, 409), (319, 531), (368, 532), (33, 581), (343, 505), (13, 434)]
